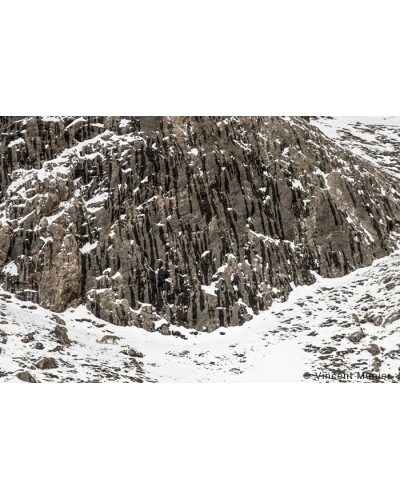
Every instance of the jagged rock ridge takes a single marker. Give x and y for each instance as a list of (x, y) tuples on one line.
[(196, 221)]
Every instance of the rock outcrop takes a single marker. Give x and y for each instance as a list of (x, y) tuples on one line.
[(198, 221)]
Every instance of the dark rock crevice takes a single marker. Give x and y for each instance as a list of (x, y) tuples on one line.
[(202, 221)]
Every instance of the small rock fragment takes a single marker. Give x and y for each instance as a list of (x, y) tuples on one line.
[(58, 320), (374, 349), (164, 329), (356, 336), (57, 348), (327, 350), (377, 364)]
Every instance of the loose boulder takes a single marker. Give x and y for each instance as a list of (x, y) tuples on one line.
[(374, 349), (60, 333), (356, 336), (26, 377), (58, 320), (135, 354), (327, 350), (164, 329), (46, 363)]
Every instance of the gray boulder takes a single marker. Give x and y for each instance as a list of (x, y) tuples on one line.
[(60, 333), (46, 363), (374, 349), (26, 377), (356, 336)]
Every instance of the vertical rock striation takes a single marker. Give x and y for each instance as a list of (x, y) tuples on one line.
[(199, 221)]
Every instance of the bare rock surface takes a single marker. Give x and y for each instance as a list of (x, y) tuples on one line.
[(202, 222), (46, 363), (61, 334), (26, 377)]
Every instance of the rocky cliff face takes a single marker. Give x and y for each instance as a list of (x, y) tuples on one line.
[(202, 222)]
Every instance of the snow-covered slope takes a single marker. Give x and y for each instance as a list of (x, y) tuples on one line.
[(336, 329), (374, 138)]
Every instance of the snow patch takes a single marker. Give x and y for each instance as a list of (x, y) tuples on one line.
[(11, 269)]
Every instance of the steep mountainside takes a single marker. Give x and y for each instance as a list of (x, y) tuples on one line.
[(374, 138), (194, 221)]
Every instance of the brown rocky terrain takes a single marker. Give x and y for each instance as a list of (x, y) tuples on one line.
[(195, 221)]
